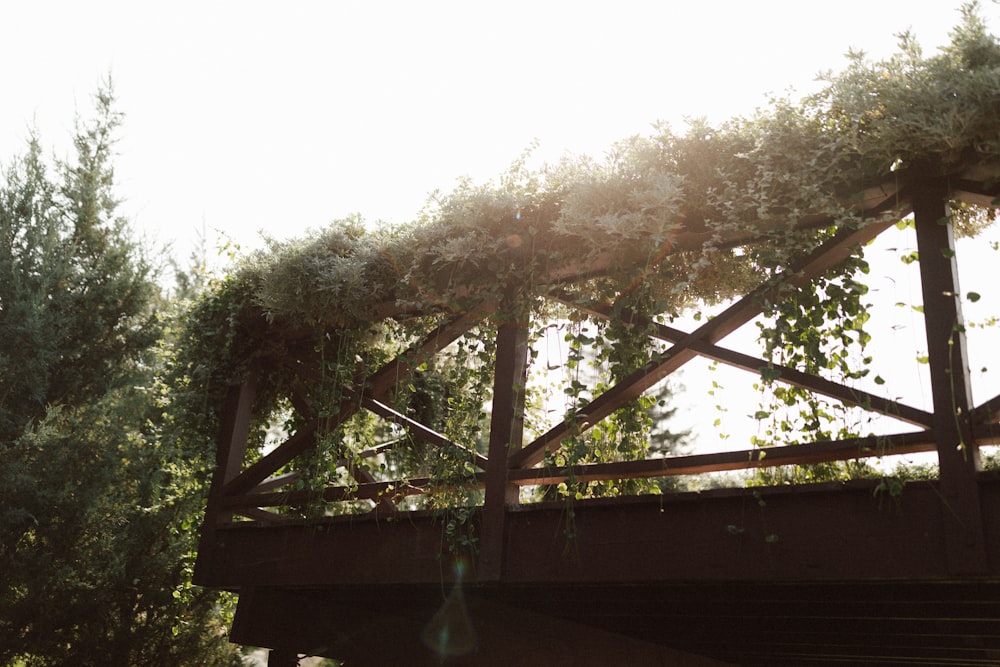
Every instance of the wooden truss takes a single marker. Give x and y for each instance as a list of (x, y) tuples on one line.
[(248, 546)]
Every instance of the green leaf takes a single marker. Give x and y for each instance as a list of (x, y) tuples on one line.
[(973, 296), (769, 373)]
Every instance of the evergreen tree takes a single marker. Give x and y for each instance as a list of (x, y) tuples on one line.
[(75, 290), (96, 499)]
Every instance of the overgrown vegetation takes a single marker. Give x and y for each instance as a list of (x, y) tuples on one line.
[(666, 224)]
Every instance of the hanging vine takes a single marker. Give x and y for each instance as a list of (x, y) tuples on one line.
[(818, 329)]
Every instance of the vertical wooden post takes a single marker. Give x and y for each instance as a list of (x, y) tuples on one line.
[(506, 436), (958, 453), (230, 451)]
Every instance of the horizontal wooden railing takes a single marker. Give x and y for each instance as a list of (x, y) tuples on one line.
[(667, 466)]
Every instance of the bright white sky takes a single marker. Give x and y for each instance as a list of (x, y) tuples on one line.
[(280, 117)]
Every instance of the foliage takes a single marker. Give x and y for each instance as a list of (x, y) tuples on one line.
[(819, 329), (74, 289), (98, 495), (95, 553), (694, 218), (599, 358)]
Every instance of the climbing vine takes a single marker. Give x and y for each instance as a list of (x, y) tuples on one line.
[(612, 348), (820, 329)]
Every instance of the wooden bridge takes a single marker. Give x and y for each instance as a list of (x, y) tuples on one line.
[(818, 574)]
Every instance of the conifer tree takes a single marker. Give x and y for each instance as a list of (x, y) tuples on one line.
[(96, 499)]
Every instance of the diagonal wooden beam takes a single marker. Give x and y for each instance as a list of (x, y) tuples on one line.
[(231, 446), (383, 410), (826, 256), (257, 514), (375, 385), (277, 482), (788, 375), (380, 448), (987, 413), (819, 385), (235, 431), (382, 502), (386, 378), (302, 440)]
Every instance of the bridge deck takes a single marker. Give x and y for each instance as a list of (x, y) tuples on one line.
[(762, 576)]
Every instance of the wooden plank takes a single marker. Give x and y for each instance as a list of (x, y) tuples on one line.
[(833, 531), (760, 623), (801, 454)]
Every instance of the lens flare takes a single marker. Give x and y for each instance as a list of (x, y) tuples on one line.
[(450, 631)]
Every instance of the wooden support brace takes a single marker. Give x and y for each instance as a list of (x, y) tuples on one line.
[(375, 385)]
